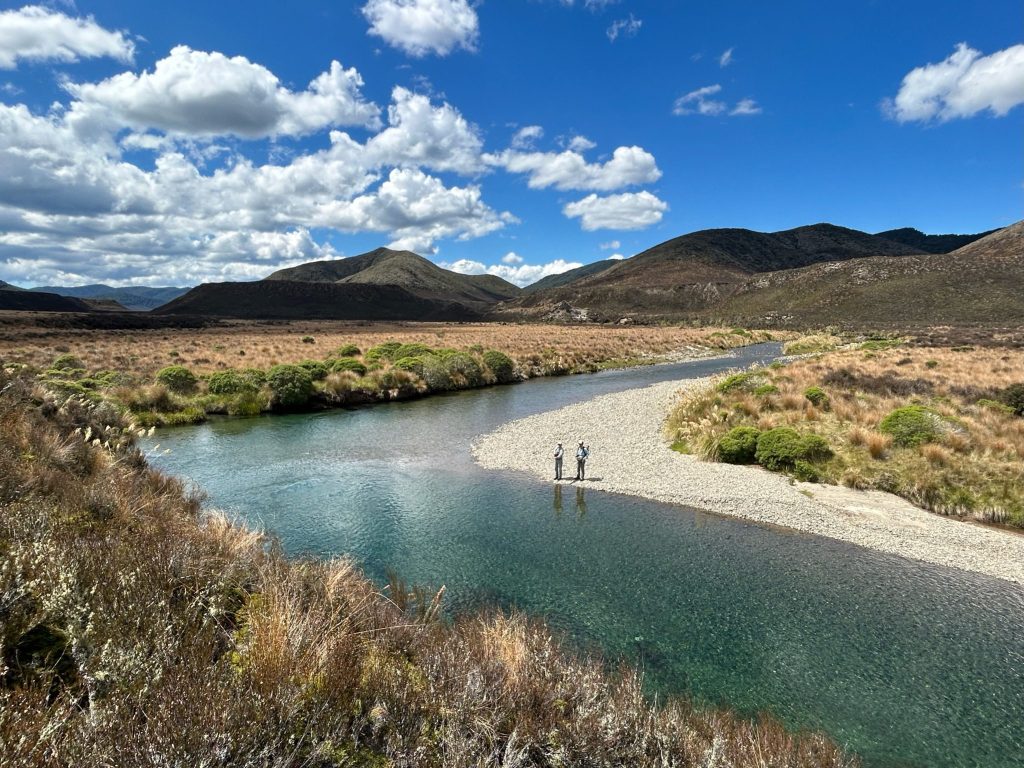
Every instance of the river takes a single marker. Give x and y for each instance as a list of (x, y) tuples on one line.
[(905, 663)]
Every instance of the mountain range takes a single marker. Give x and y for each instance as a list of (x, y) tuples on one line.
[(813, 275), (135, 297)]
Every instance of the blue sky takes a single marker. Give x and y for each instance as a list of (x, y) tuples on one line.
[(518, 136)]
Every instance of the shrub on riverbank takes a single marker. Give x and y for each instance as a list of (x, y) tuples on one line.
[(139, 631), (932, 425), (290, 385)]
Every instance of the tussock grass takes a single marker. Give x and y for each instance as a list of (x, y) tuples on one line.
[(931, 425), (139, 630)]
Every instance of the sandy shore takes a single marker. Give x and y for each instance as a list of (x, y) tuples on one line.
[(630, 455)]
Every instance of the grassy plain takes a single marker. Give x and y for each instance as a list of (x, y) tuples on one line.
[(244, 344)]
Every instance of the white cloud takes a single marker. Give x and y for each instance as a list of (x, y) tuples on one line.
[(700, 102), (195, 93), (521, 275), (630, 210), (962, 85), (419, 27), (423, 135), (570, 170), (611, 245), (624, 28), (746, 107), (617, 257), (512, 258), (726, 58), (525, 137), (581, 144), (37, 34)]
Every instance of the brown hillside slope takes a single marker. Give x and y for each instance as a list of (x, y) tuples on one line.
[(406, 269), (696, 271), (979, 283), (286, 299)]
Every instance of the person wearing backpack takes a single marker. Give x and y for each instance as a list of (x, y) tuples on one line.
[(582, 453)]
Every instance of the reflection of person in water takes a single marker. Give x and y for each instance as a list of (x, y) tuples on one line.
[(558, 499), (581, 502)]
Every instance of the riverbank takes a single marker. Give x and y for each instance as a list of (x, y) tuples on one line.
[(630, 455)]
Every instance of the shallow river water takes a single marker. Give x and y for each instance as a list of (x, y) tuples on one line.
[(905, 663)]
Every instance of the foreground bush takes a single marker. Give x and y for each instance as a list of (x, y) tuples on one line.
[(178, 379), (230, 383), (500, 365), (138, 631), (739, 445), (781, 448), (911, 425), (291, 385)]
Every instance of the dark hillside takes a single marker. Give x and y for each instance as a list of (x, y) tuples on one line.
[(931, 243)]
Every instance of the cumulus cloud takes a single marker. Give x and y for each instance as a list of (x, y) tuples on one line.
[(702, 102), (570, 170), (581, 144), (195, 93), (420, 27), (525, 137), (521, 275), (630, 210), (624, 28), (39, 34), (961, 86), (512, 258)]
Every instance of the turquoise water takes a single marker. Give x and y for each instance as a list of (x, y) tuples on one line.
[(907, 664)]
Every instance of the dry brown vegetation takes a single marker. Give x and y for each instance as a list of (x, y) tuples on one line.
[(969, 461), (137, 631), (262, 345)]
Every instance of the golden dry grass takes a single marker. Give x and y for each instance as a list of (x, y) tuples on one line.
[(975, 465), (262, 345)]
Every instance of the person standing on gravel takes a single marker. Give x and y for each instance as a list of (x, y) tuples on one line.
[(582, 452), (559, 453)]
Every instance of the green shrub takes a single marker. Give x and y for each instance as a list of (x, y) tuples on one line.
[(931, 364), (254, 375), (765, 389), (739, 445), (806, 472), (781, 448), (317, 370), (744, 381), (411, 364), (347, 350), (68, 388), (501, 365), (178, 379), (230, 382), (817, 396), (809, 344), (346, 364), (995, 405), (65, 361), (912, 425), (385, 351), (153, 397), (463, 370), (411, 350), (1013, 396), (247, 403), (308, 340), (291, 385), (877, 345)]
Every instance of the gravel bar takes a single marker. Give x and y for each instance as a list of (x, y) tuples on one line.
[(630, 455)]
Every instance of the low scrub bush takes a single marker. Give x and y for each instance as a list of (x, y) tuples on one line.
[(912, 425), (412, 364), (411, 350), (347, 350), (806, 345), (1013, 396), (463, 370), (781, 448), (230, 382), (385, 351), (178, 379), (740, 381), (346, 364), (291, 386), (500, 365), (317, 370), (247, 404), (67, 361), (150, 397), (739, 445), (817, 396)]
